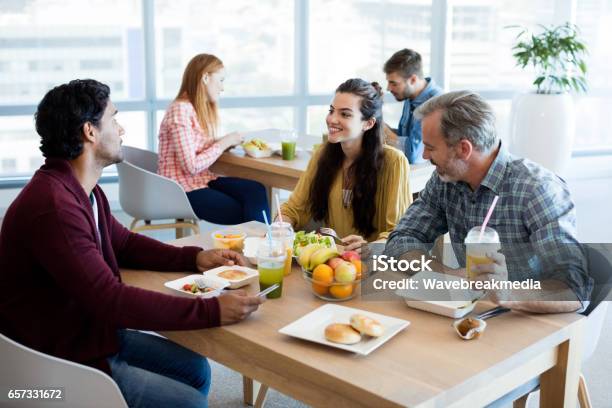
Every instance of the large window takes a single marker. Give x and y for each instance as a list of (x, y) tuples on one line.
[(480, 49), (254, 39), (283, 58), (353, 38), (44, 43), (594, 122)]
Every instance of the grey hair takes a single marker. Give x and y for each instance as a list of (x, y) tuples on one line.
[(465, 115)]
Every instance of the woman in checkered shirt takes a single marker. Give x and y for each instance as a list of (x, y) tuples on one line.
[(189, 145)]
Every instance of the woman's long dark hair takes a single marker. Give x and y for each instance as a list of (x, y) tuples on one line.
[(363, 172)]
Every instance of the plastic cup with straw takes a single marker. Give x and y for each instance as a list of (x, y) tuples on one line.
[(479, 242), (265, 217), (270, 263), (284, 231), (280, 214)]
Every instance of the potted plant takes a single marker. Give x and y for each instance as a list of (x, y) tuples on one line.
[(543, 122)]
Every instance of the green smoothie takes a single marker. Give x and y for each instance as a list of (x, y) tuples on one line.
[(288, 148), (271, 272)]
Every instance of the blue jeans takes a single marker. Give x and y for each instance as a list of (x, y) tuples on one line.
[(230, 200), (152, 371)]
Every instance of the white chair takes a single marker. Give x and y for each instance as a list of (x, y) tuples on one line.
[(600, 270), (83, 386), (147, 196)]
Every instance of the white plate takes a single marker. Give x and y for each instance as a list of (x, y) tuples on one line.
[(177, 284), (450, 303), (252, 276), (311, 327)]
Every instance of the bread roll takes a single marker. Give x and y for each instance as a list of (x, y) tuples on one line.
[(366, 325), (342, 333)]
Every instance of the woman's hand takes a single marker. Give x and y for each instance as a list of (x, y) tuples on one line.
[(232, 139), (353, 243)]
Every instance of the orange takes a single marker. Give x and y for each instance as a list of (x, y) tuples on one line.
[(357, 264), (320, 289), (341, 291), (323, 274)]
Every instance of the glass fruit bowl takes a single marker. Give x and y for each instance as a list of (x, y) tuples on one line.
[(335, 284)]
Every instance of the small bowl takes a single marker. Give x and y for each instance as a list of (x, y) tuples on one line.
[(218, 274), (472, 333), (257, 153), (177, 285), (229, 239)]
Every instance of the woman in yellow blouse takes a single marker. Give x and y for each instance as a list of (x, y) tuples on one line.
[(354, 183)]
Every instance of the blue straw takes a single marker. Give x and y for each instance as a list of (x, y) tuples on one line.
[(269, 228)]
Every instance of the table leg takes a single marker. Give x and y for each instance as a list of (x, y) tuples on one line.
[(250, 389), (559, 385), (247, 390), (180, 233), (261, 396)]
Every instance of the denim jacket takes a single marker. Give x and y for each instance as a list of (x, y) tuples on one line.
[(409, 128)]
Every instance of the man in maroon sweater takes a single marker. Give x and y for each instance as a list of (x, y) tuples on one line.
[(60, 253)]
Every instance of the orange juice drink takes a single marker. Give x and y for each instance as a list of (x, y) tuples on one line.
[(473, 260), (477, 248), (283, 232), (288, 261)]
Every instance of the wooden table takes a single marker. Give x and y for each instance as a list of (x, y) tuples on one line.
[(426, 365), (274, 172)]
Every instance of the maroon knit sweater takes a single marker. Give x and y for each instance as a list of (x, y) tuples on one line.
[(61, 292)]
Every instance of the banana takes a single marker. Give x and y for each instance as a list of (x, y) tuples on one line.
[(320, 256), (306, 252)]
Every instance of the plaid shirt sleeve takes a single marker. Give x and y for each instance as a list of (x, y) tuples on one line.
[(423, 222), (182, 134), (551, 218)]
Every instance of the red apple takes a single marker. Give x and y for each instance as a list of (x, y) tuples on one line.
[(350, 256), (334, 262)]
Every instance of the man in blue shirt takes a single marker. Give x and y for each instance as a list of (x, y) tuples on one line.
[(404, 72)]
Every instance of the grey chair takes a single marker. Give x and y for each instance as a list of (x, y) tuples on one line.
[(148, 196), (600, 270), (81, 386)]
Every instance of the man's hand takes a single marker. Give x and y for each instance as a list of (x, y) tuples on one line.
[(496, 270), (236, 305), (218, 257), (353, 243), (390, 136)]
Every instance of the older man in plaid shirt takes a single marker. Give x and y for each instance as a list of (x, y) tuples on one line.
[(534, 217)]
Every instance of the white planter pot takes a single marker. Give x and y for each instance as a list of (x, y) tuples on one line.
[(542, 129)]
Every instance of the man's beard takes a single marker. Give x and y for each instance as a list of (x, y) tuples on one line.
[(402, 97), (454, 170), (399, 98)]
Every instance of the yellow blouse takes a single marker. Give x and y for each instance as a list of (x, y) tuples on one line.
[(392, 198)]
